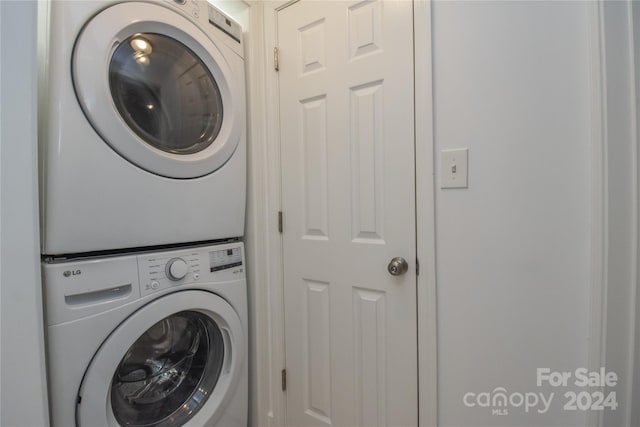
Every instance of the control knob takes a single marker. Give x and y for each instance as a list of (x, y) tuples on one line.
[(176, 269)]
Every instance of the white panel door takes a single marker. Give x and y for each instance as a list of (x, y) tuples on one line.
[(348, 197)]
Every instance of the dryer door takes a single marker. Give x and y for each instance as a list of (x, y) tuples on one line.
[(158, 90), (175, 361)]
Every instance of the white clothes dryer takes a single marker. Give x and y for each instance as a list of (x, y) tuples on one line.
[(148, 339), (143, 138)]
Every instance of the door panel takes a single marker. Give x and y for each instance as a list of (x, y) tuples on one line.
[(348, 195)]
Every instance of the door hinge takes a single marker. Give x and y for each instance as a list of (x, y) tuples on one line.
[(417, 267), (276, 59), (280, 221), (284, 380)]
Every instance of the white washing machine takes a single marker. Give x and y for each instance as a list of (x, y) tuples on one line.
[(143, 135), (148, 339)]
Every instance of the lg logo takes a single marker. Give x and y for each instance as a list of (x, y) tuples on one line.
[(70, 273)]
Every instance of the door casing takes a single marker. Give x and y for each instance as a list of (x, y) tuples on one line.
[(264, 240)]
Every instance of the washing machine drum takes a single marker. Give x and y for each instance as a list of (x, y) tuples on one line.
[(174, 362), (158, 90)]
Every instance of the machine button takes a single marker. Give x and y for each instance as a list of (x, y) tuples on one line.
[(155, 285), (196, 276), (176, 269)]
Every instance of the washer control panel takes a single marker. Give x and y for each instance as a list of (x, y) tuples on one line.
[(162, 270)]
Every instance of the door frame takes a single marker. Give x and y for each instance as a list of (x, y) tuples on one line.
[(425, 215), (268, 305)]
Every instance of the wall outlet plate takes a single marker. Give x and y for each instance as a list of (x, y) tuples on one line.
[(453, 168)]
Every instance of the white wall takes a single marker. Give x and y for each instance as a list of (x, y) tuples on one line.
[(23, 390), (511, 82)]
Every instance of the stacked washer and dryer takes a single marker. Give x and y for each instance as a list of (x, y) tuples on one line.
[(143, 173)]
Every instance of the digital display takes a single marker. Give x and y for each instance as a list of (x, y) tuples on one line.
[(224, 259)]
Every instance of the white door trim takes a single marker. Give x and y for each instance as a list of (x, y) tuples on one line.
[(425, 217), (604, 41), (599, 220), (635, 361), (263, 240)]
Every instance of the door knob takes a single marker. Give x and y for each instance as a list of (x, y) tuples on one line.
[(398, 266)]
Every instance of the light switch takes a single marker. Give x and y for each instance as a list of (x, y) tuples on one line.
[(453, 168)]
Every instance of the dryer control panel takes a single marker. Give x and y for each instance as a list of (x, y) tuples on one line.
[(203, 12), (163, 270)]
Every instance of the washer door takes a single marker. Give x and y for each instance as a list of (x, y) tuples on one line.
[(175, 361), (158, 90)]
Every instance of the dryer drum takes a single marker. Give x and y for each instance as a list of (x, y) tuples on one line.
[(169, 372)]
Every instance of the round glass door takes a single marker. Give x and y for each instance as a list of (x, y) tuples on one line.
[(159, 91), (165, 93), (168, 373), (177, 360)]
